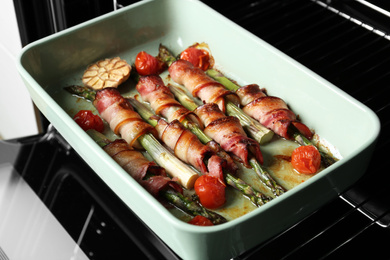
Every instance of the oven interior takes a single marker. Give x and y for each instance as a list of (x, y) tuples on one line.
[(345, 42)]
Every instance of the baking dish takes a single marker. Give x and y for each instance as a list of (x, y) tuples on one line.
[(52, 63)]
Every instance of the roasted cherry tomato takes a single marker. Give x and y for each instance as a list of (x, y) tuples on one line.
[(198, 57), (211, 191), (306, 159), (201, 221), (147, 64), (87, 120)]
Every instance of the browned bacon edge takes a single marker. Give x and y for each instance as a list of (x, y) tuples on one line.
[(121, 117), (200, 84), (138, 167), (189, 149), (270, 111), (153, 90), (228, 132)]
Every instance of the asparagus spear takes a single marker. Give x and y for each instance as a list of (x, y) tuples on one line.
[(264, 176), (82, 92), (256, 130), (158, 152), (255, 196), (192, 207), (182, 202)]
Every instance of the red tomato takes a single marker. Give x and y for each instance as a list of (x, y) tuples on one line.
[(211, 191), (201, 221), (306, 159), (199, 58), (147, 64), (87, 120)]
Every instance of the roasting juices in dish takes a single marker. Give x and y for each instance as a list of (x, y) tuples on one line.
[(209, 124)]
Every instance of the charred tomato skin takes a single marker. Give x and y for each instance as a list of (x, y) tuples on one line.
[(199, 220), (199, 58), (146, 64), (306, 159), (211, 191), (87, 120)]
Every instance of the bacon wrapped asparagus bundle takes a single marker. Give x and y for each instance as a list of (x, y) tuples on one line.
[(255, 196), (187, 147), (211, 91), (153, 90), (272, 112), (127, 123), (147, 173), (151, 176), (227, 131)]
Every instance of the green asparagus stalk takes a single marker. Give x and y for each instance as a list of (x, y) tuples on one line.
[(218, 76), (162, 156), (167, 160), (256, 130), (176, 198), (165, 55), (264, 176), (192, 207), (255, 196), (82, 92)]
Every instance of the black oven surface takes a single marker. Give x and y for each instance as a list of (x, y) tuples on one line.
[(346, 42)]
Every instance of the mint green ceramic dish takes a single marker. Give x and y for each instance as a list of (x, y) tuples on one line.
[(52, 63)]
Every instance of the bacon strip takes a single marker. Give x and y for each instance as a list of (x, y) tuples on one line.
[(138, 167), (188, 148), (200, 84), (228, 132), (121, 117), (153, 90), (270, 111)]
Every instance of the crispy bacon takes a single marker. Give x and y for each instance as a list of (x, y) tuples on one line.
[(121, 117), (138, 167), (270, 111), (187, 147), (231, 166), (162, 101), (200, 85), (228, 132)]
